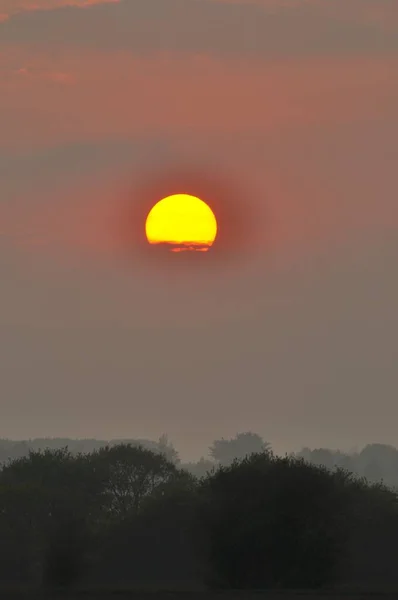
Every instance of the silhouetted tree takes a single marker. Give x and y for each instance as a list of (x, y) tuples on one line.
[(50, 491), (272, 523), (129, 474), (10, 450), (157, 544)]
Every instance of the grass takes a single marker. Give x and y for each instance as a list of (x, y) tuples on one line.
[(148, 592)]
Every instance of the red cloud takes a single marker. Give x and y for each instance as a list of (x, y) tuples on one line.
[(8, 8), (59, 77), (174, 94)]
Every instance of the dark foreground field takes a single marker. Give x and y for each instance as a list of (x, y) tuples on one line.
[(125, 594)]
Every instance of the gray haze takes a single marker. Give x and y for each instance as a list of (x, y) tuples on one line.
[(297, 340)]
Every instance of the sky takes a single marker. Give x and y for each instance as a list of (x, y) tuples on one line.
[(290, 107)]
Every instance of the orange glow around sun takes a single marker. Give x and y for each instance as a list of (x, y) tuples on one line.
[(183, 222)]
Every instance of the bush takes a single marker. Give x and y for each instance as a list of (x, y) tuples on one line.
[(156, 544), (272, 522)]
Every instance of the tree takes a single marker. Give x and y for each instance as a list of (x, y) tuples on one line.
[(166, 447), (42, 498), (242, 445), (69, 482), (379, 462), (155, 544), (272, 522), (129, 474)]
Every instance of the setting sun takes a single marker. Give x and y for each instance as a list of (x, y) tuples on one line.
[(183, 222)]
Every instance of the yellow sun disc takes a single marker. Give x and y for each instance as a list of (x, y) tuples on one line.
[(183, 222)]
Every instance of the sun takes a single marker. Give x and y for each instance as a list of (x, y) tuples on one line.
[(181, 222)]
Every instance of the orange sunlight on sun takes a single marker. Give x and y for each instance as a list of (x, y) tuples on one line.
[(183, 222)]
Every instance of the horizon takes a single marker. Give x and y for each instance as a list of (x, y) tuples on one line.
[(187, 459)]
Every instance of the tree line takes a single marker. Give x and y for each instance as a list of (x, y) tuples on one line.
[(127, 514), (376, 462)]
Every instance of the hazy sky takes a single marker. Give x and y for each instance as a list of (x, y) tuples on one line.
[(293, 104)]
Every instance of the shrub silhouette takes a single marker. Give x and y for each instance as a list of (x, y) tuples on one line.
[(156, 544), (272, 522)]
